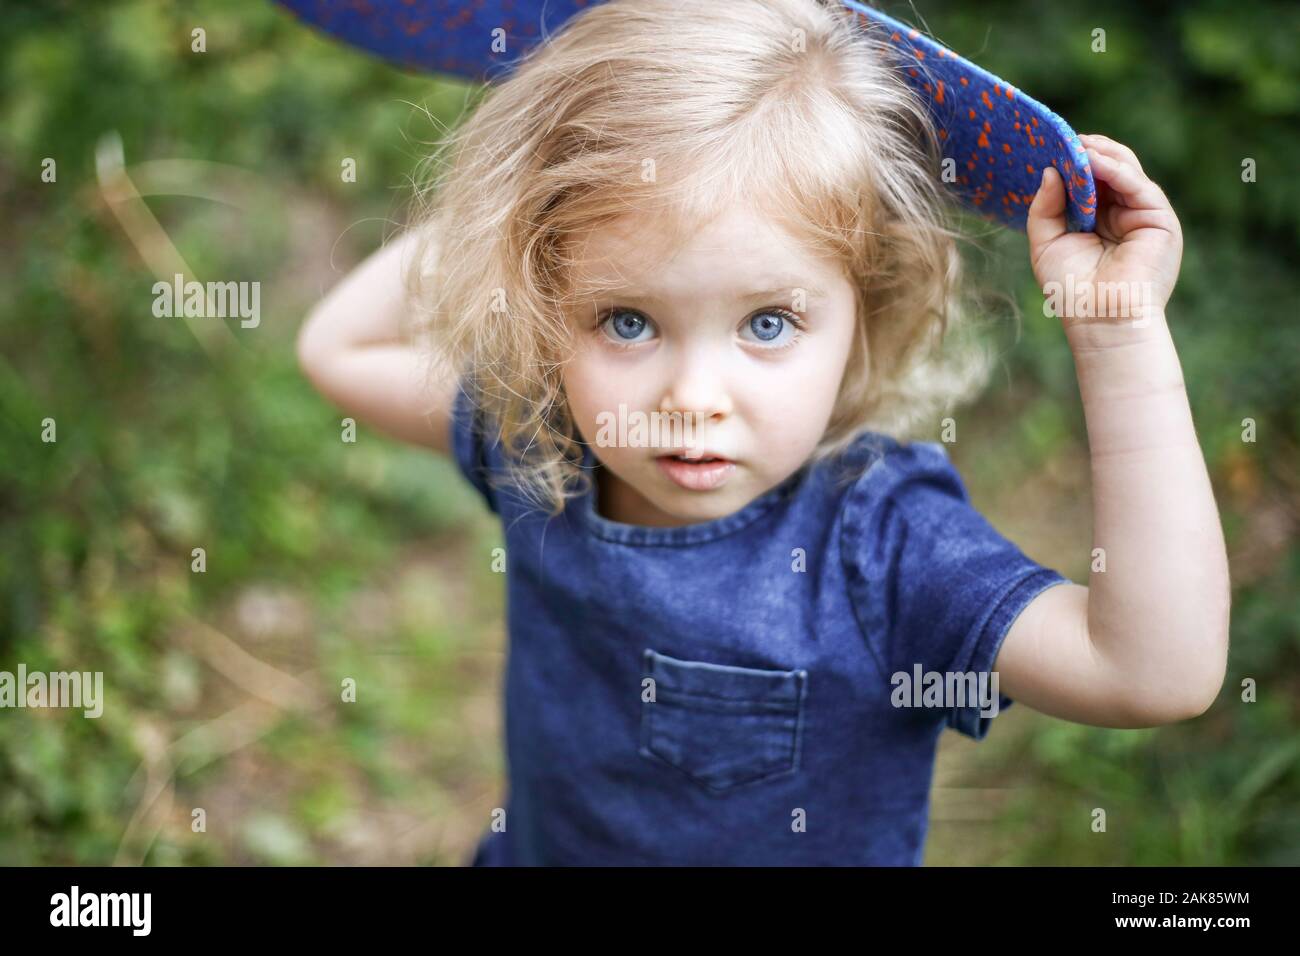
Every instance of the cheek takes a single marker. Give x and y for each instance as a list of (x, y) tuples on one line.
[(796, 409), (578, 390), (797, 418), (592, 385)]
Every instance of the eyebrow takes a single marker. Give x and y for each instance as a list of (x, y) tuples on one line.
[(777, 291)]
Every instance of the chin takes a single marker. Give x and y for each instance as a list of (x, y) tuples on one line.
[(693, 507)]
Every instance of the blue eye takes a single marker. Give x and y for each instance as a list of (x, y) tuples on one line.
[(624, 326), (767, 325), (770, 327)]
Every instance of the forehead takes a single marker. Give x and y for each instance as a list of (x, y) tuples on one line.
[(655, 256)]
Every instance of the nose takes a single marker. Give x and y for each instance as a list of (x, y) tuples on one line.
[(698, 389)]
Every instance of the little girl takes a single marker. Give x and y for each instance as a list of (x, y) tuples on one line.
[(739, 643)]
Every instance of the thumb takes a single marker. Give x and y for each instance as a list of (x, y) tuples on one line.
[(1047, 212)]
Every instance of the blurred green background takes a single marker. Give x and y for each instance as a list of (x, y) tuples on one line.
[(327, 560)]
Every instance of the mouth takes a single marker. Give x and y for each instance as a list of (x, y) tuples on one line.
[(701, 473), (696, 455)]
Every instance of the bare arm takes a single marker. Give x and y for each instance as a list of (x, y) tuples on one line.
[(355, 348), (1146, 643)]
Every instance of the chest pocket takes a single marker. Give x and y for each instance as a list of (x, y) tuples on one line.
[(720, 725)]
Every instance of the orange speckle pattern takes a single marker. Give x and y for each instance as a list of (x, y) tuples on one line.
[(973, 111)]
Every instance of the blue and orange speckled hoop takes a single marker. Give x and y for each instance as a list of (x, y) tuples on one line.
[(999, 139)]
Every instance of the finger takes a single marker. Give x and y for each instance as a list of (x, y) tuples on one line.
[(1121, 221), (1104, 144), (1046, 220), (1129, 184)]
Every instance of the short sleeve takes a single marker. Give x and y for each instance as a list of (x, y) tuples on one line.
[(475, 455), (934, 586)]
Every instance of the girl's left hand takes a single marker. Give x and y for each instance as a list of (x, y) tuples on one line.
[(1137, 245)]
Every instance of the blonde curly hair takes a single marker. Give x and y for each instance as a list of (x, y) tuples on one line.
[(797, 105)]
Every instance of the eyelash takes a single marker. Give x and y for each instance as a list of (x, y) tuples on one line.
[(786, 315)]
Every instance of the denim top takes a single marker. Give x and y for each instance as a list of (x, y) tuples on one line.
[(719, 692)]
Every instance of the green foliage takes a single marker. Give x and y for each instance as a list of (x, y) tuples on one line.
[(162, 447)]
